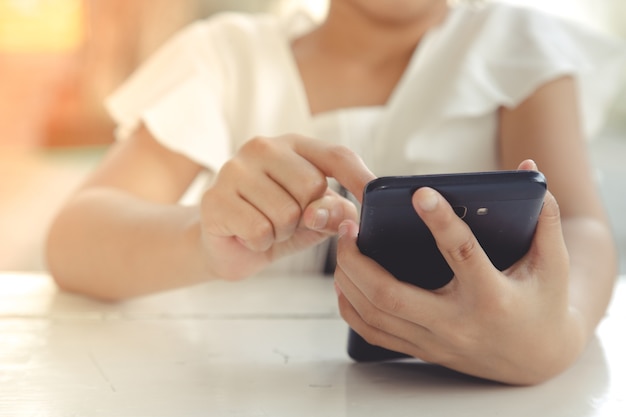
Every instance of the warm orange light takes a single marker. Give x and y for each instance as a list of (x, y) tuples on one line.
[(41, 25)]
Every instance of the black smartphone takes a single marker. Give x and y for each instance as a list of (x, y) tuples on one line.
[(500, 207)]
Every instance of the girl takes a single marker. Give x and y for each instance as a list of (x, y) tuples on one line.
[(270, 109)]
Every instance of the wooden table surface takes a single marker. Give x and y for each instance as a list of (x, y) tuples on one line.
[(268, 346)]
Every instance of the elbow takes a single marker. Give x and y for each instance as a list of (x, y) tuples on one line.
[(79, 284), (55, 257), (69, 267)]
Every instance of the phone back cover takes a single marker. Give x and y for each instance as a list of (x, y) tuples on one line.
[(501, 208)]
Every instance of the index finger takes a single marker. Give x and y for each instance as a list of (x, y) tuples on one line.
[(336, 161)]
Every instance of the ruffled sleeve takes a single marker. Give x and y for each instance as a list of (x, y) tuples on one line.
[(517, 50), (177, 94), (215, 85), (443, 116)]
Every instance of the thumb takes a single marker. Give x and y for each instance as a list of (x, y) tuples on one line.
[(326, 214)]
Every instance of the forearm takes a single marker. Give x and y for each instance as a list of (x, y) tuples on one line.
[(111, 245), (593, 268)]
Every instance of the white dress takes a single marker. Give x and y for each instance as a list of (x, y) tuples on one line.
[(224, 80)]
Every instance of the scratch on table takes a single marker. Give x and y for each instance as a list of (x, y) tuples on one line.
[(101, 371), (320, 385), (282, 354)]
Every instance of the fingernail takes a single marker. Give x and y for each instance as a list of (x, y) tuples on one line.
[(321, 218), (428, 200), (532, 165)]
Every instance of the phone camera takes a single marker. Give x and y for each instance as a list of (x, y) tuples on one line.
[(460, 211)]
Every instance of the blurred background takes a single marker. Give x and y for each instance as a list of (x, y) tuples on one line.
[(60, 58)]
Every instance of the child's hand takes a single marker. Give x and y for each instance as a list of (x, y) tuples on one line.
[(272, 198), (514, 326)]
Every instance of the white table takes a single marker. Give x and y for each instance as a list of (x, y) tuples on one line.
[(269, 346)]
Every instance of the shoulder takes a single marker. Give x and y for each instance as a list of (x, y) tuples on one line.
[(236, 27), (234, 42), (503, 30), (497, 25), (220, 34), (499, 16), (485, 58)]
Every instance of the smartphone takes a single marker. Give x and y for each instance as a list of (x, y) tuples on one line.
[(500, 207)]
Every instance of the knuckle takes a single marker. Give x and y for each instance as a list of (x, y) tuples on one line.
[(258, 145), (339, 154), (315, 184), (465, 251), (233, 168), (259, 232), (387, 300), (286, 221)]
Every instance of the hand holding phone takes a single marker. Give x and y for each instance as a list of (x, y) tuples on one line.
[(501, 208)]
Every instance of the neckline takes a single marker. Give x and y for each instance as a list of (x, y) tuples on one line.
[(288, 35), (347, 110)]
